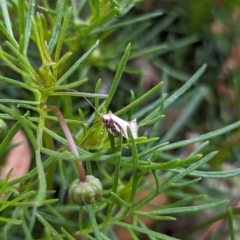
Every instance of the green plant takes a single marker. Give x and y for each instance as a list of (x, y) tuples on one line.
[(44, 56)]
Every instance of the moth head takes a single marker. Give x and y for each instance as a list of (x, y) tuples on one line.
[(106, 119)]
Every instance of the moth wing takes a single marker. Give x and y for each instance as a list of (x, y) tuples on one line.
[(120, 124), (134, 127)]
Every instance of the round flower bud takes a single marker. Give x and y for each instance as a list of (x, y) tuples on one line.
[(87, 192), (3, 127)]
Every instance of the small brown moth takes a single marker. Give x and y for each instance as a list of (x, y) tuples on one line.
[(115, 124)]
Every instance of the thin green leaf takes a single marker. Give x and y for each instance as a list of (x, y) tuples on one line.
[(6, 17), (151, 150), (77, 64), (152, 216), (67, 234), (120, 200), (214, 174), (145, 231), (62, 171), (174, 163), (97, 88), (185, 87), (57, 26), (21, 16), (185, 115), (40, 39), (140, 99), (200, 148), (6, 204), (32, 173), (70, 157), (60, 62), (134, 166), (118, 75), (186, 200), (28, 27), (97, 10), (151, 122), (70, 85), (159, 49), (203, 137), (178, 93), (230, 224), (42, 183), (11, 133), (175, 179), (132, 234), (5, 182), (33, 204), (22, 120), (80, 94), (187, 183), (8, 35), (116, 173), (55, 218), (93, 221), (11, 221), (149, 51), (131, 21), (18, 101), (115, 3), (53, 232), (25, 65), (188, 209)]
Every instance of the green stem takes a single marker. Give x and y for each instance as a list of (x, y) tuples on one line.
[(41, 175), (49, 144), (93, 222)]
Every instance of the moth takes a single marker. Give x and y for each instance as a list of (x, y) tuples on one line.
[(115, 124)]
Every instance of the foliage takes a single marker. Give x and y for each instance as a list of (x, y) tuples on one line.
[(56, 54)]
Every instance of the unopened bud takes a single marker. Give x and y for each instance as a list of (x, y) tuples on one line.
[(86, 192)]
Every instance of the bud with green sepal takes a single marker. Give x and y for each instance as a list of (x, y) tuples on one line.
[(86, 192)]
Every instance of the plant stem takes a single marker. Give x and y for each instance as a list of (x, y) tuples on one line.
[(72, 145), (41, 175)]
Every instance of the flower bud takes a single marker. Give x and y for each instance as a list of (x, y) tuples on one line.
[(87, 192), (3, 127)]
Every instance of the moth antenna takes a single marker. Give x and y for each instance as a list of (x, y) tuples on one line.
[(87, 101), (93, 106)]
